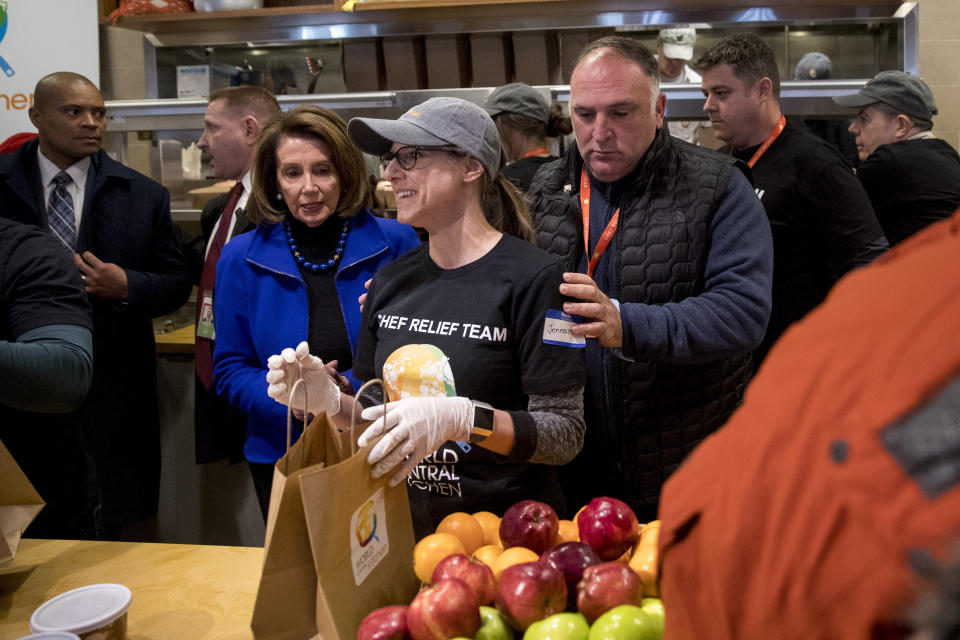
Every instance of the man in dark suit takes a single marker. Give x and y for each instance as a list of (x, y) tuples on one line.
[(115, 223), (231, 125)]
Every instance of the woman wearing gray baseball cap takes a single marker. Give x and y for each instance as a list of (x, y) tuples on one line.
[(484, 379)]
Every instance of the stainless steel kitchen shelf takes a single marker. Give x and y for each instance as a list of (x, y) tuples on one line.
[(266, 26), (683, 101)]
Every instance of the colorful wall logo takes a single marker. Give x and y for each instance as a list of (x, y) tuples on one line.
[(4, 21), (38, 37)]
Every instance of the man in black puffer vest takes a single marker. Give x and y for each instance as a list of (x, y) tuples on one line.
[(680, 262)]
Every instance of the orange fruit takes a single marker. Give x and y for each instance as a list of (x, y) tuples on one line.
[(488, 554), (568, 532), (512, 556), (577, 514), (490, 523), (433, 548), (465, 527)]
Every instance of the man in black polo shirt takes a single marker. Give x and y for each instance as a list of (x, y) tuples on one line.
[(912, 177), (822, 222)]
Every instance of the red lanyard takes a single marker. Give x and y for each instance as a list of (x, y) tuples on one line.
[(777, 130), (607, 235), (539, 151)]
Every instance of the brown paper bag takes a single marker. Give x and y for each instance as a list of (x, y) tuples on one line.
[(339, 544), (19, 505)]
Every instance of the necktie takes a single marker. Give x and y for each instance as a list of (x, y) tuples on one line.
[(60, 214), (203, 358)]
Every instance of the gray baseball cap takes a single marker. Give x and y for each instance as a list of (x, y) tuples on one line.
[(437, 122), (903, 91), (813, 66), (517, 97), (678, 43)]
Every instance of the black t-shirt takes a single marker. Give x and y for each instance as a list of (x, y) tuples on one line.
[(483, 325), (820, 216), (837, 134), (911, 183), (521, 172)]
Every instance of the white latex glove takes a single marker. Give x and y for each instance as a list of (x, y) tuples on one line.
[(285, 369), (413, 429)]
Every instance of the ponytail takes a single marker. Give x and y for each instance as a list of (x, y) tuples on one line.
[(558, 124), (505, 208)]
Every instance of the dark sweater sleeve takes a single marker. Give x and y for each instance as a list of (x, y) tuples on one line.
[(732, 312), (47, 369)]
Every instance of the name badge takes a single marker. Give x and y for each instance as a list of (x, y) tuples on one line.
[(205, 325), (557, 329)]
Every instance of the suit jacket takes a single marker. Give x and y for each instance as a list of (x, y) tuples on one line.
[(219, 429), (126, 221), (195, 248)]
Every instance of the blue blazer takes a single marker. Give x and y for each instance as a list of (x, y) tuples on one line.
[(260, 308)]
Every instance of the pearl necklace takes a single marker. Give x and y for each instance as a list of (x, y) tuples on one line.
[(325, 265)]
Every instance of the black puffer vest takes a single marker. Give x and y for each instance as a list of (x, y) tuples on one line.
[(656, 411)]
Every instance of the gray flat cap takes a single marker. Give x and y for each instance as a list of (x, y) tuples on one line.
[(903, 91)]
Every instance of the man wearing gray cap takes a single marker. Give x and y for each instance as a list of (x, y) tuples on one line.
[(912, 177), (674, 50)]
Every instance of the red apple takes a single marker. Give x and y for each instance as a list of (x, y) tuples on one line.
[(476, 574), (605, 586), (530, 591), (445, 609), (570, 559), (529, 524), (385, 623), (609, 526)]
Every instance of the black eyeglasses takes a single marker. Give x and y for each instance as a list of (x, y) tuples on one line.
[(407, 156)]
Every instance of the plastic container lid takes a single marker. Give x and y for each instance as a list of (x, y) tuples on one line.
[(51, 635), (82, 610)]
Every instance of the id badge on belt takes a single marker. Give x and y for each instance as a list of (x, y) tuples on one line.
[(205, 324)]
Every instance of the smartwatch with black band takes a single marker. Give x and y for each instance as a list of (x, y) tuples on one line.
[(482, 422)]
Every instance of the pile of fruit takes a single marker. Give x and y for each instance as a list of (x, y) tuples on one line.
[(530, 573)]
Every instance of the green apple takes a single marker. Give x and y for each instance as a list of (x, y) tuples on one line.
[(559, 626), (493, 626), (625, 622), (653, 607)]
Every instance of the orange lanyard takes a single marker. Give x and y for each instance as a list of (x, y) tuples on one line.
[(607, 235), (535, 152), (777, 130)]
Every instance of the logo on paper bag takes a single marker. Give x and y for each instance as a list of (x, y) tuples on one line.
[(366, 524), (369, 543)]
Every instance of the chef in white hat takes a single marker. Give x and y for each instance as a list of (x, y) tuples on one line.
[(674, 50)]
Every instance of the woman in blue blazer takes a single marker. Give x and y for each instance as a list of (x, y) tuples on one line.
[(297, 276)]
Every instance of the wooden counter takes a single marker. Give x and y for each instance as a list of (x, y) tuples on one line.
[(180, 592), (179, 342)]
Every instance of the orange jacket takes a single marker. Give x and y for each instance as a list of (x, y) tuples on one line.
[(795, 520)]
